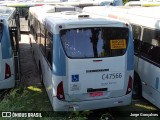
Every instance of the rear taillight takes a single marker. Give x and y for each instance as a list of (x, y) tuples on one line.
[(129, 88), (60, 91), (7, 71)]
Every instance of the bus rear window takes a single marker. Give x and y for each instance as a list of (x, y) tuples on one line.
[(94, 42), (1, 29)]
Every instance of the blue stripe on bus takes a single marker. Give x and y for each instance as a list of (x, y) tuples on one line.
[(6, 45), (130, 54), (59, 62)]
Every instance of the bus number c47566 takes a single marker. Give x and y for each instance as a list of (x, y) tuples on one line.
[(111, 76)]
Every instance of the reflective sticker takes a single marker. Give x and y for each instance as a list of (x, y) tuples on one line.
[(75, 78), (118, 44), (75, 87)]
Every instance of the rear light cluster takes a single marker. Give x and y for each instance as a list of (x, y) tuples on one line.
[(7, 71), (60, 91), (129, 87)]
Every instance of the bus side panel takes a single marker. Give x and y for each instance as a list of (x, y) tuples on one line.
[(6, 58), (150, 78), (6, 44), (47, 75)]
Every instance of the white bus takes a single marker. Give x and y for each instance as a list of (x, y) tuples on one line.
[(144, 3), (9, 47), (146, 32), (85, 62)]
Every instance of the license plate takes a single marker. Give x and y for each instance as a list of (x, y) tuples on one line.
[(96, 94)]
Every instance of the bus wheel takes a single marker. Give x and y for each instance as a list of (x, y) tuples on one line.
[(137, 87)]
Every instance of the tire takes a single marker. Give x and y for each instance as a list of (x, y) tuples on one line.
[(137, 87)]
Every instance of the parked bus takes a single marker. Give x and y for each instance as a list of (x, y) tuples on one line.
[(143, 3), (146, 33), (85, 62), (9, 47)]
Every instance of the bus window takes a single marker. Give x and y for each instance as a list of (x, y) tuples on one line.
[(154, 50), (41, 38), (136, 36), (136, 32), (14, 39), (35, 28), (148, 34), (155, 54), (49, 47), (84, 43)]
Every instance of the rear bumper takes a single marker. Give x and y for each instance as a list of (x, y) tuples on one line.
[(8, 83), (91, 105)]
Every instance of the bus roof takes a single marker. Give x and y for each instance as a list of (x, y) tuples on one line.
[(51, 8), (40, 12), (62, 13), (78, 3), (6, 12), (143, 3), (145, 16), (142, 11), (68, 17), (75, 19)]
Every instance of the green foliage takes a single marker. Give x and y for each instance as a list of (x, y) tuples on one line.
[(23, 99), (125, 1), (106, 116), (79, 115)]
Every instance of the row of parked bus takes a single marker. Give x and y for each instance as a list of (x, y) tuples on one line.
[(86, 59)]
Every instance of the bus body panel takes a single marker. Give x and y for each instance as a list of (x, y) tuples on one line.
[(9, 82), (6, 58), (47, 78), (143, 3), (80, 78), (42, 66), (150, 76), (90, 105)]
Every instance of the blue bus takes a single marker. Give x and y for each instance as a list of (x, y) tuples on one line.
[(9, 47)]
